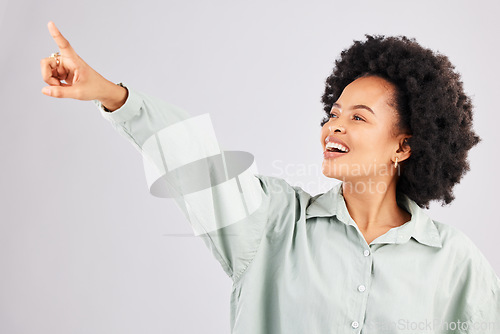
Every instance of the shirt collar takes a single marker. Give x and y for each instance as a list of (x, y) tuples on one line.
[(420, 226)]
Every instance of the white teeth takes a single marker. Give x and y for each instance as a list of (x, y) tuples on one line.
[(338, 146)]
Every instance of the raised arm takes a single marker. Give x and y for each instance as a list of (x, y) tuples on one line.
[(220, 192)]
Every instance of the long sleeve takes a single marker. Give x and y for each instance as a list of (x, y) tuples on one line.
[(476, 300), (220, 192)]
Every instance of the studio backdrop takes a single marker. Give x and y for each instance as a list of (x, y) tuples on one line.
[(84, 245)]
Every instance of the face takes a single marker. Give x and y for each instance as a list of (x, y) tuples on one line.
[(362, 119)]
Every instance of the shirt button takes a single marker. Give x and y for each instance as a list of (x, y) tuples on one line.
[(354, 324), (366, 252), (361, 288)]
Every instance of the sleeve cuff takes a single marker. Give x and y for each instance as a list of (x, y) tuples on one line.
[(129, 109)]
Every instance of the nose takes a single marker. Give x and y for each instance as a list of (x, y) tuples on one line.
[(336, 128)]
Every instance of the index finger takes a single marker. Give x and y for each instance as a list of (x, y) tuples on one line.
[(61, 42)]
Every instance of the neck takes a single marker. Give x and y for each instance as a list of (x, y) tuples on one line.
[(374, 209)]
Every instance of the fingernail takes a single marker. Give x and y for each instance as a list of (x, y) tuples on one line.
[(46, 90)]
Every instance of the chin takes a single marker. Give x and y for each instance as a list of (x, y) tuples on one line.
[(332, 169), (333, 174)]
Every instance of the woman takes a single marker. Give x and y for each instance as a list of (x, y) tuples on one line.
[(362, 257)]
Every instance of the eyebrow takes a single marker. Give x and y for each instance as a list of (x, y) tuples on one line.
[(357, 106)]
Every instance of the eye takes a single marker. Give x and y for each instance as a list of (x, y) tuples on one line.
[(356, 117)]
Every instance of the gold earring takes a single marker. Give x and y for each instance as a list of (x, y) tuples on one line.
[(396, 163)]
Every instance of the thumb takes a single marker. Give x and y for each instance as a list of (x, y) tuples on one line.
[(59, 91)]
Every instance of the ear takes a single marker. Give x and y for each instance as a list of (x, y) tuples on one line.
[(404, 149)]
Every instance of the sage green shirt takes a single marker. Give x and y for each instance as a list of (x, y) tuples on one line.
[(299, 263)]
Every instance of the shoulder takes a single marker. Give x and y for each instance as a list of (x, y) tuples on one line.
[(453, 237), (459, 247), (272, 184), (279, 188), (287, 203), (456, 241)]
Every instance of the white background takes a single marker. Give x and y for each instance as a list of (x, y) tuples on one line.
[(84, 247)]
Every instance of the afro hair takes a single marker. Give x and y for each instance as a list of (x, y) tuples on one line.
[(431, 105)]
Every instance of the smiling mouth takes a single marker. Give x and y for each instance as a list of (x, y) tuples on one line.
[(334, 149), (332, 146)]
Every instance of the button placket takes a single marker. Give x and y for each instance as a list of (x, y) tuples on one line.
[(361, 288)]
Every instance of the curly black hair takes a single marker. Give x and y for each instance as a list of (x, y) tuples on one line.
[(431, 105)]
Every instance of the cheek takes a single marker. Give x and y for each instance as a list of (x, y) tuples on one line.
[(323, 133), (372, 143)]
